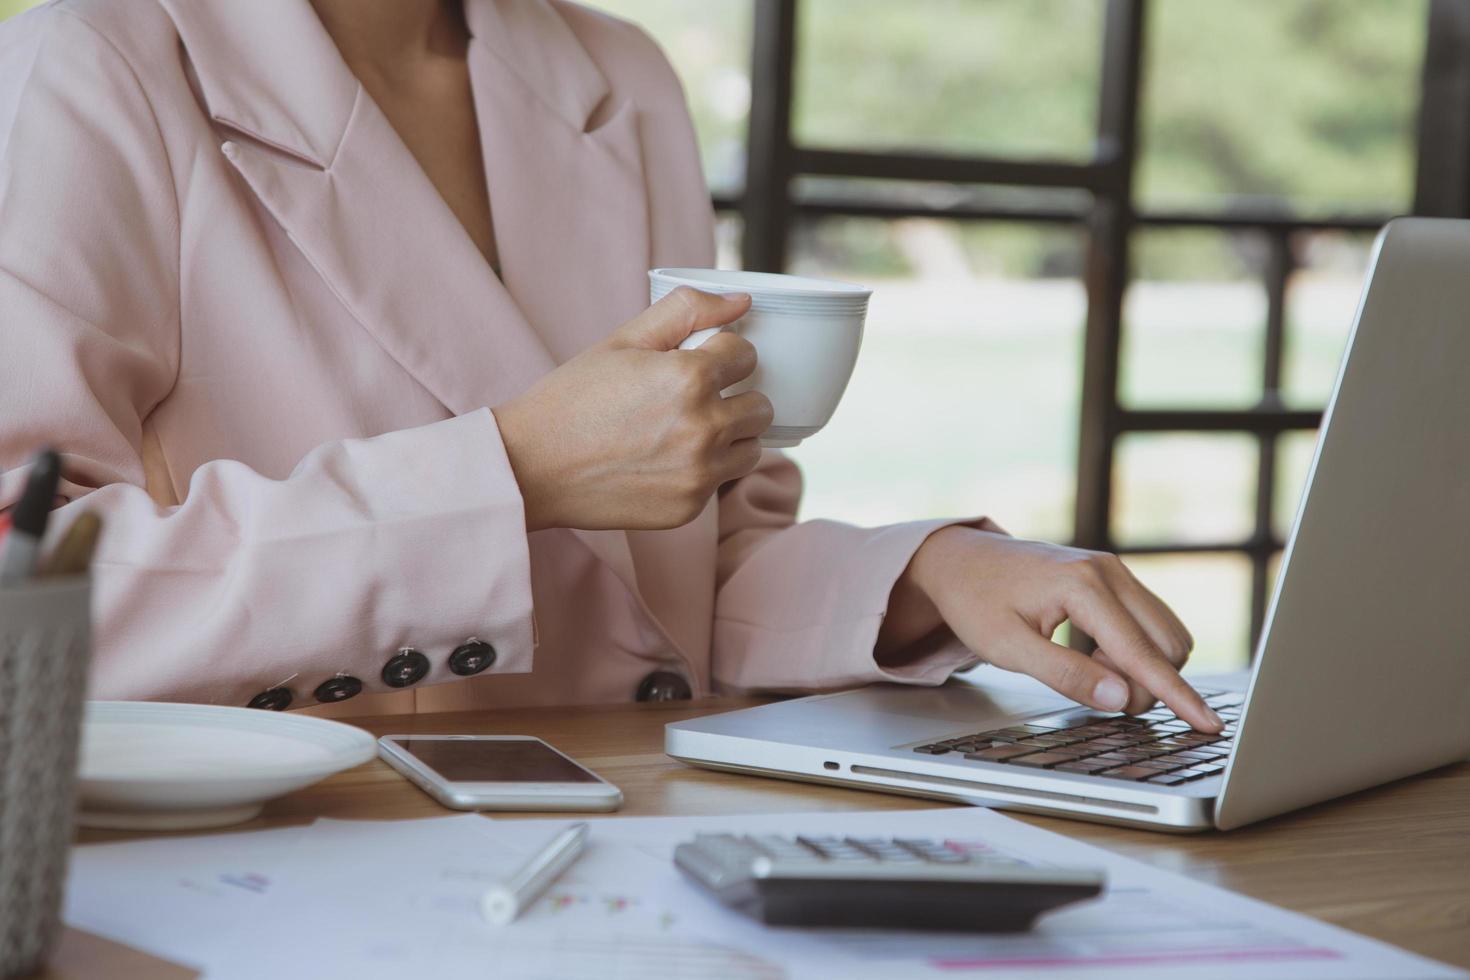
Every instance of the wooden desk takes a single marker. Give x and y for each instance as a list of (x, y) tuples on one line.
[(1392, 863)]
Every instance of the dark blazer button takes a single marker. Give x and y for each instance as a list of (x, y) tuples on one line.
[(664, 685), (338, 688), (276, 699), (407, 667), (471, 657)]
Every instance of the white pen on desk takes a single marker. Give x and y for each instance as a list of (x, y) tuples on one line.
[(28, 520), (503, 902)]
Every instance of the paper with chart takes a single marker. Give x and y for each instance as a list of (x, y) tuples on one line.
[(400, 899), (174, 897)]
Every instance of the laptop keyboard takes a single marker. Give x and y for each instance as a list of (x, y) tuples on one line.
[(1155, 747)]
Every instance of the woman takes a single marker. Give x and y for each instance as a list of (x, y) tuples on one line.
[(319, 300)]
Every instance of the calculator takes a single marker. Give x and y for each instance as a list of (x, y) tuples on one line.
[(883, 883)]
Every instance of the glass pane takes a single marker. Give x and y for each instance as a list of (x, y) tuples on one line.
[(1308, 102), (964, 401), (990, 77), (1194, 321), (709, 45), (729, 231), (1211, 593), (1184, 489), (1293, 459), (1320, 304)]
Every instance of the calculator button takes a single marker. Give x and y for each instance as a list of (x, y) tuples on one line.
[(779, 848), (887, 851), (820, 846)]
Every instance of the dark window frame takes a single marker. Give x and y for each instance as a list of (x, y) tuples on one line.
[(769, 208)]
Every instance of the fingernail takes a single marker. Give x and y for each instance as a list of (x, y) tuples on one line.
[(737, 297), (1214, 716), (1111, 694)]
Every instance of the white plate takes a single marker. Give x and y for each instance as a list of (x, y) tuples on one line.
[(152, 766)]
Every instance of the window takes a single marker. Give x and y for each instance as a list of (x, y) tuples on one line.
[(1116, 249), (963, 320)]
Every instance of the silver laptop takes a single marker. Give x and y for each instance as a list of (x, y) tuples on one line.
[(1362, 674)]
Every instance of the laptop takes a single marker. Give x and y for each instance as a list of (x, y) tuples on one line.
[(1362, 673)]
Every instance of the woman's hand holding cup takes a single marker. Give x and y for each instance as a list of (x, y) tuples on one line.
[(633, 433)]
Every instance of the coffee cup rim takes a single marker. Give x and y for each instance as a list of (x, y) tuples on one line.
[(732, 280)]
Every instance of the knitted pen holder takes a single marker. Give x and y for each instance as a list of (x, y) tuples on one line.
[(45, 646)]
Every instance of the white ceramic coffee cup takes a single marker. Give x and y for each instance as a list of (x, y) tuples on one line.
[(806, 333)]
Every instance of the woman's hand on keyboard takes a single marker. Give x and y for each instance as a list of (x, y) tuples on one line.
[(1004, 597)]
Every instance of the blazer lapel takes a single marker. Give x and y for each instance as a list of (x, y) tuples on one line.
[(329, 166), (565, 173)]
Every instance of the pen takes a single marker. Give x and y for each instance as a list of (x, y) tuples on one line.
[(74, 553), (28, 519), (503, 902)]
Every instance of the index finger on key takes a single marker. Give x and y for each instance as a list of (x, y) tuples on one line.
[(1127, 645)]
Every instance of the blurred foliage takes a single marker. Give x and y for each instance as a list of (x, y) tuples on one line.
[(1003, 77), (1310, 103)]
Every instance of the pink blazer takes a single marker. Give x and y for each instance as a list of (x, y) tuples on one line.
[(266, 348)]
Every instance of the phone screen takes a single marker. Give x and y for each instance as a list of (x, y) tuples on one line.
[(518, 760)]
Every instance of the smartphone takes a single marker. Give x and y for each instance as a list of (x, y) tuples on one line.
[(497, 772)]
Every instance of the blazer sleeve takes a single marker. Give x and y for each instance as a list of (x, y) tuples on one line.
[(799, 605), (413, 538)]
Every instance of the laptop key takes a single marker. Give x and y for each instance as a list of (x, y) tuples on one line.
[(1163, 765), (1134, 773), (1202, 772), (1084, 766), (1193, 774), (1118, 740), (1168, 779), (1041, 760), (932, 749), (1085, 750), (1000, 753), (1073, 751)]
